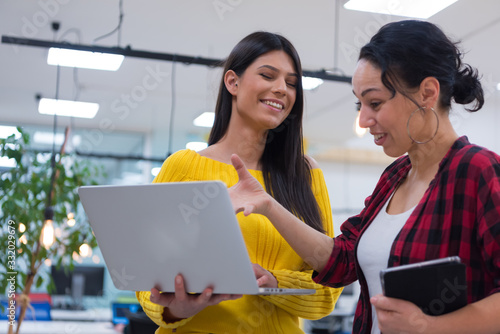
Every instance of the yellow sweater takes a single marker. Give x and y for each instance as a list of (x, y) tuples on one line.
[(251, 314)]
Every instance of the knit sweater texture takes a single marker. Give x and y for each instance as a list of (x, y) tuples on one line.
[(251, 314)]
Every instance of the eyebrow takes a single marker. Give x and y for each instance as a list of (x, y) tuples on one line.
[(276, 70), (366, 91)]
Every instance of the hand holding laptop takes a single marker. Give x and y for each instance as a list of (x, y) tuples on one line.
[(181, 305)]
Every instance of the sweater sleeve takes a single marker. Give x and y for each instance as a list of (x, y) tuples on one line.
[(321, 303), (155, 311)]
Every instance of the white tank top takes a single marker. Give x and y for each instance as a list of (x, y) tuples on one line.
[(374, 249)]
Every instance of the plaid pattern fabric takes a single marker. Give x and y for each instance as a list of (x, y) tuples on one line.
[(459, 214)]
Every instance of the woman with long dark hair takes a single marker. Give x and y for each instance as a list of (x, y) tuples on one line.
[(259, 117)]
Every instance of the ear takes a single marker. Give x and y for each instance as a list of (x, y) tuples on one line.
[(429, 91), (231, 82)]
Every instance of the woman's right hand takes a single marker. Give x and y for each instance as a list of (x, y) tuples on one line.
[(248, 195), (181, 305)]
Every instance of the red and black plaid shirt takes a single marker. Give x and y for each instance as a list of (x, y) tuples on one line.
[(459, 214)]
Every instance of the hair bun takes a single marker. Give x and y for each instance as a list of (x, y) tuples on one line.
[(467, 88)]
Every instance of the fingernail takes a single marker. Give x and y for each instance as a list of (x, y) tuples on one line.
[(208, 294), (178, 279)]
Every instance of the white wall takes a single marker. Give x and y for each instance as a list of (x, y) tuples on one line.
[(348, 185)]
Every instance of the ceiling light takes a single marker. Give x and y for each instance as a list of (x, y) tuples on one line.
[(41, 137), (418, 9), (498, 86), (7, 162), (84, 59), (155, 171), (6, 131), (310, 83), (68, 108), (196, 145), (206, 119)]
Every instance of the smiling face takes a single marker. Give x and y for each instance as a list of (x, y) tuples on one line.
[(385, 115), (265, 93)]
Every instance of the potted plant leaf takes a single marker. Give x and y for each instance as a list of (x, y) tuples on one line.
[(39, 215)]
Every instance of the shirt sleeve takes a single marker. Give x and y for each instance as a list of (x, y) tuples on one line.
[(321, 303), (488, 203), (341, 267)]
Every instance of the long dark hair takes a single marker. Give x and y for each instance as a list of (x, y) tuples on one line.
[(286, 172), (409, 51)]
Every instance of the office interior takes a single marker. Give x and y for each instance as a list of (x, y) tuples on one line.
[(147, 107)]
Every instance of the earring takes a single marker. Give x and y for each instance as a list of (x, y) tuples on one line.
[(423, 109)]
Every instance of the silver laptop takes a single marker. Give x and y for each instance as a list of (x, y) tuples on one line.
[(149, 233)]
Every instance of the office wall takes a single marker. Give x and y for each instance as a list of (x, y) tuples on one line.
[(348, 185)]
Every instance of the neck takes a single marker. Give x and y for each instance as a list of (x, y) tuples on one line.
[(425, 158), (247, 144)]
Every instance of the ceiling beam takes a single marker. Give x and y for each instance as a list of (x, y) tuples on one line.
[(129, 52)]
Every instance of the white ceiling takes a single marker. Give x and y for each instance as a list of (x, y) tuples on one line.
[(131, 122)]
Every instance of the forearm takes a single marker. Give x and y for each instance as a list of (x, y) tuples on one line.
[(311, 245), (479, 317)]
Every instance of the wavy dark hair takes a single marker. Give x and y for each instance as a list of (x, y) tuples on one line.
[(409, 51), (287, 174)]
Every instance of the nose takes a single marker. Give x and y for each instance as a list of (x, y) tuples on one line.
[(366, 119), (279, 86)]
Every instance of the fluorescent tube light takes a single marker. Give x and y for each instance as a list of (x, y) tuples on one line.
[(196, 145), (48, 138), (422, 9), (310, 83), (6, 131), (206, 119), (68, 108), (84, 59)]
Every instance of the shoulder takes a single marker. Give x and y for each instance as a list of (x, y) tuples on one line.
[(182, 154), (468, 163), (176, 166), (473, 157), (312, 163), (181, 157)]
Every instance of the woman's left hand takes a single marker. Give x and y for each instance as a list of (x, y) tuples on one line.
[(399, 316), (264, 278)]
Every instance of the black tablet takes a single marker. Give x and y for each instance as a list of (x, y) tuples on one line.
[(436, 286)]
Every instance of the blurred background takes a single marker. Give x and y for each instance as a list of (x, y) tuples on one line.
[(150, 108)]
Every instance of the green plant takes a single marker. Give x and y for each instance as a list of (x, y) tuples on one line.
[(37, 182)]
